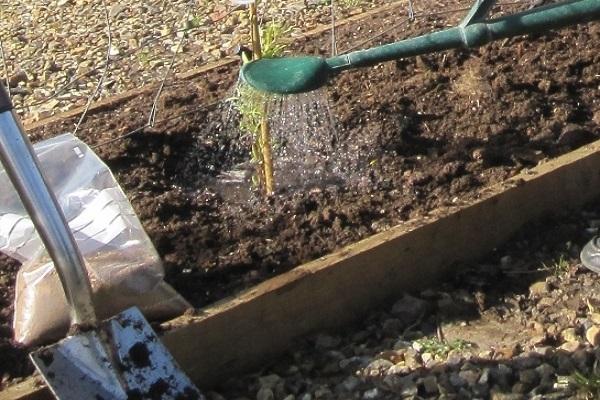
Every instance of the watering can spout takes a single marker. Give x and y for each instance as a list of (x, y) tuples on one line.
[(287, 75)]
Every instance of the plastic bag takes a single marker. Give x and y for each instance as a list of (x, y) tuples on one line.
[(122, 264)]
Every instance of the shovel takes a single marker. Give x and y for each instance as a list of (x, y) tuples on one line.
[(120, 358), (289, 75)]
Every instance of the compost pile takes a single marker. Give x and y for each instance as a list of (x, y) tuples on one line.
[(434, 130)]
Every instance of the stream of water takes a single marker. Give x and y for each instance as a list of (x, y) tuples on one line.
[(304, 141)]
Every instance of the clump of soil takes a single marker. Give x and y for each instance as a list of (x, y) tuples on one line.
[(431, 131)]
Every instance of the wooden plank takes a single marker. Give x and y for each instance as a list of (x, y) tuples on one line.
[(30, 389), (242, 333)]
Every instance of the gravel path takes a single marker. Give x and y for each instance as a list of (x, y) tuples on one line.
[(525, 324), (49, 43)]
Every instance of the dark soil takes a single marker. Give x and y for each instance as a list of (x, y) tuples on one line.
[(440, 128)]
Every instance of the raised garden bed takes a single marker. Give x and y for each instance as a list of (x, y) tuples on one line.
[(444, 130)]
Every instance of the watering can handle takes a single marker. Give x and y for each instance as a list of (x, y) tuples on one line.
[(474, 31), (478, 12), (23, 169)]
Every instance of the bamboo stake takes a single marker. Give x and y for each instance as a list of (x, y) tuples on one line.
[(265, 134), (255, 33), (265, 139)]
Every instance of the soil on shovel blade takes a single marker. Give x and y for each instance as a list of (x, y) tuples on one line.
[(431, 132)]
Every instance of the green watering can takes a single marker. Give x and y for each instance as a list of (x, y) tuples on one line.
[(290, 75)]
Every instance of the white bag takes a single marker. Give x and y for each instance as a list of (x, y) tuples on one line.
[(122, 264)]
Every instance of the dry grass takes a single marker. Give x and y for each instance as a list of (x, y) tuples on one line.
[(472, 83)]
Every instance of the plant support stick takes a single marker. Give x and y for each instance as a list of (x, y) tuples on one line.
[(265, 140), (265, 135)]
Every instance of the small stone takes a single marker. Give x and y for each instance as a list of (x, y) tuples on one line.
[(499, 395), (537, 340), (545, 370), (502, 375), (454, 358), (371, 394), (214, 396), (595, 318), (569, 335), (527, 361), (506, 261), (408, 387), (427, 359), (545, 302), (484, 378), (351, 383), (265, 394), (570, 347), (399, 369), (327, 342), (596, 117), (538, 289), (529, 376), (353, 363), (269, 381), (521, 387), (456, 380), (361, 336), (451, 308), (331, 368), (115, 10), (392, 327), (408, 309), (378, 367), (593, 335), (573, 135), (417, 346), (565, 365), (486, 354), (114, 51), (402, 344), (544, 351), (323, 393), (17, 77), (581, 359), (469, 376), (412, 359), (430, 385)]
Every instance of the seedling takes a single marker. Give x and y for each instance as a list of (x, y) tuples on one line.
[(587, 385), (144, 58), (273, 36), (558, 267), (253, 105), (349, 3), (441, 348)]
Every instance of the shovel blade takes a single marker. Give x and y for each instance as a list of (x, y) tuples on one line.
[(124, 359)]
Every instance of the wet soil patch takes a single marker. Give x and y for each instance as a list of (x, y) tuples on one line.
[(424, 133)]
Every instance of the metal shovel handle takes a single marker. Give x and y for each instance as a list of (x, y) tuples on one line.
[(23, 169)]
